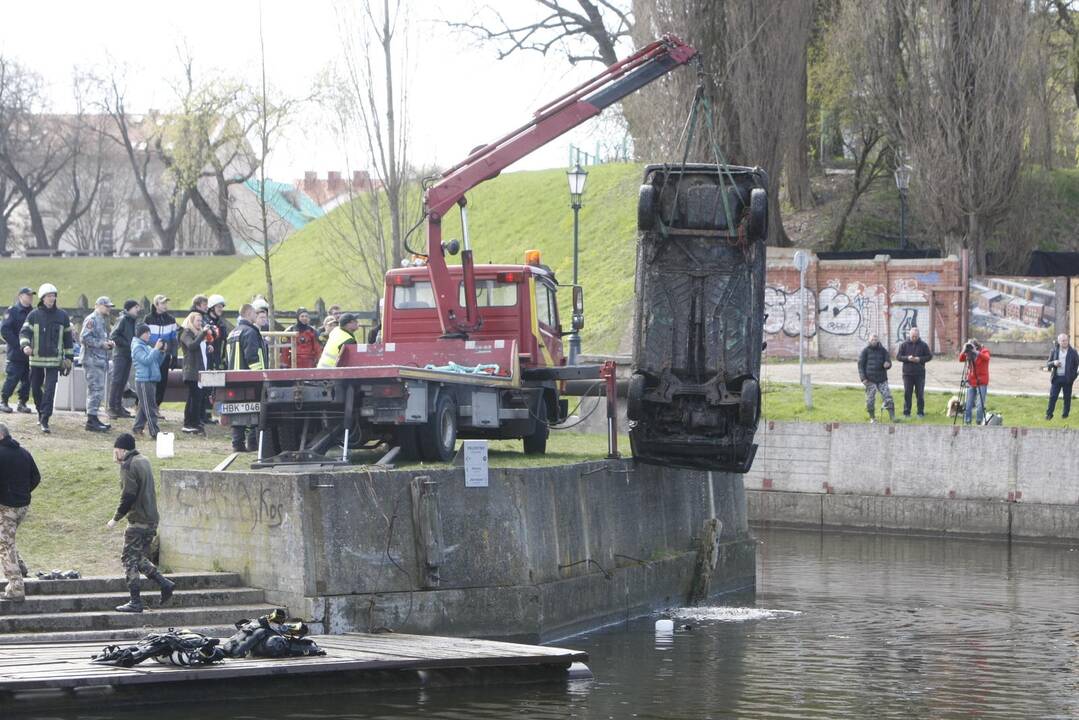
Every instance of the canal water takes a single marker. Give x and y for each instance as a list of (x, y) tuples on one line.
[(843, 626)]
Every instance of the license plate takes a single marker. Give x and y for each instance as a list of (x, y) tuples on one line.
[(244, 408)]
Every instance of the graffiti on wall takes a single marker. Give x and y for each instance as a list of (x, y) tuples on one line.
[(783, 308)]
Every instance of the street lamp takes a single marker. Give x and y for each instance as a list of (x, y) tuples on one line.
[(902, 182), (576, 177)]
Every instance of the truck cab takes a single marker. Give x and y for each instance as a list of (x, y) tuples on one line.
[(519, 303)]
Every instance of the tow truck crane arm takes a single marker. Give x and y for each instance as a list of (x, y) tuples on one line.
[(550, 121)]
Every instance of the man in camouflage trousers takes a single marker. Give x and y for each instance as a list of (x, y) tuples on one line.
[(96, 346), (18, 478), (138, 503)]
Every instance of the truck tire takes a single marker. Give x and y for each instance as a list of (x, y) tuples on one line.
[(758, 214), (438, 436), (646, 208), (536, 442), (635, 397), (749, 407)]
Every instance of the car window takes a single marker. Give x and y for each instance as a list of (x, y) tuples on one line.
[(491, 293), (545, 305), (415, 296)]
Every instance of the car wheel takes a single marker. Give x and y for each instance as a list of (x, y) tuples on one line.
[(635, 397), (749, 407), (646, 207), (536, 442), (438, 438), (758, 214)]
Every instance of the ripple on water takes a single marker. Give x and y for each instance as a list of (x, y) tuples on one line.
[(731, 614)]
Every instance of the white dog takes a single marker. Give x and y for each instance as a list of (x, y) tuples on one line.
[(954, 406)]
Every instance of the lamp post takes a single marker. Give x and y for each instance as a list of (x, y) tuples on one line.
[(576, 177), (902, 182)]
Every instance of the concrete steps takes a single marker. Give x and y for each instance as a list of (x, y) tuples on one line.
[(83, 609)]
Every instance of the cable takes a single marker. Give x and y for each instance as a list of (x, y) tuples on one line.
[(580, 420)]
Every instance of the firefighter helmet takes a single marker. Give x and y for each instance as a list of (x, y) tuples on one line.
[(47, 288), (216, 300)]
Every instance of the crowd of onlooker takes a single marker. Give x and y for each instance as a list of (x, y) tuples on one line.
[(126, 354)]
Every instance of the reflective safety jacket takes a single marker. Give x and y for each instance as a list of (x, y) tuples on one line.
[(332, 352), (48, 333), (246, 349)]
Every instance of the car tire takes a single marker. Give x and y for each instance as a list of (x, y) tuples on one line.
[(758, 214), (438, 437), (646, 208), (749, 406), (535, 443), (635, 397)]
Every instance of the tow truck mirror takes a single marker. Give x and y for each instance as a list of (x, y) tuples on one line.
[(578, 307)]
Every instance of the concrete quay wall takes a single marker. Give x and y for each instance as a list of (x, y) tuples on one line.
[(540, 553), (1011, 482)]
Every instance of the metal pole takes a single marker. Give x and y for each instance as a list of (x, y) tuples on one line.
[(575, 338), (801, 326), (903, 219)]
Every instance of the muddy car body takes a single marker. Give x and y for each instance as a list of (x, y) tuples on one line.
[(694, 394)]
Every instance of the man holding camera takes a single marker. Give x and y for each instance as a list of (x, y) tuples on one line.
[(873, 366), (914, 353), (1064, 365), (977, 359)]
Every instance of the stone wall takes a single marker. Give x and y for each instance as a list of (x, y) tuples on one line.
[(1017, 482), (847, 300), (540, 553)]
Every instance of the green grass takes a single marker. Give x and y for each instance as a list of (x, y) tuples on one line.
[(841, 404), (507, 216), (180, 278)]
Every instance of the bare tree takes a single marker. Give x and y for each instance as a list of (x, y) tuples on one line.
[(949, 75), (584, 31), (371, 96), (164, 193), (9, 202)]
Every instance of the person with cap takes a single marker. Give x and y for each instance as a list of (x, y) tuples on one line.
[(247, 351), (138, 503), (95, 360), (46, 340), (307, 345), (19, 477), (121, 337), (147, 361), (339, 337), (163, 327), (17, 372)]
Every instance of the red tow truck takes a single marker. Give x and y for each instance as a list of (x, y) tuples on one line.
[(466, 351)]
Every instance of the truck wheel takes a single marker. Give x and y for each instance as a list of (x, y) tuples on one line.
[(536, 442), (635, 397), (438, 438), (758, 214), (646, 207), (749, 407)]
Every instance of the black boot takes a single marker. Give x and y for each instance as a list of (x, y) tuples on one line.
[(134, 605), (5, 408), (23, 408), (167, 586), (95, 425)]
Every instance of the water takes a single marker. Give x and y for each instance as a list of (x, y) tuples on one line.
[(843, 626)]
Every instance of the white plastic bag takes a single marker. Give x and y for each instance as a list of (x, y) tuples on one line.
[(165, 444)]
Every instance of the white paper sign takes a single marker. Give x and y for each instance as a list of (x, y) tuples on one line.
[(475, 463)]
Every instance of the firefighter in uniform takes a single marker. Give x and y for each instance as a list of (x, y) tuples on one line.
[(46, 339), (246, 351), (339, 337)]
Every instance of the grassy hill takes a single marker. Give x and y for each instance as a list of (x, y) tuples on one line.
[(178, 277), (507, 216)]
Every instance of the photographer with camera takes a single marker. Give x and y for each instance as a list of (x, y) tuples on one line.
[(1063, 364), (977, 359), (873, 366)]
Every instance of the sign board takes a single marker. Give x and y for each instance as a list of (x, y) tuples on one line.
[(475, 452), (801, 260)]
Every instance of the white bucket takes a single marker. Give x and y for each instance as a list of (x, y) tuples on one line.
[(166, 444), (664, 626)]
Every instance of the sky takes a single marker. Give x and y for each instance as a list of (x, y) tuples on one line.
[(461, 95)]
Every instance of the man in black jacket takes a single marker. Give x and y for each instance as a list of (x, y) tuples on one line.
[(17, 372), (247, 351), (46, 339), (18, 478), (873, 366), (1064, 365), (914, 354), (121, 336)]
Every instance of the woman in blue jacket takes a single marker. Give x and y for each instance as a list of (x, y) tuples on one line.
[(147, 361)]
